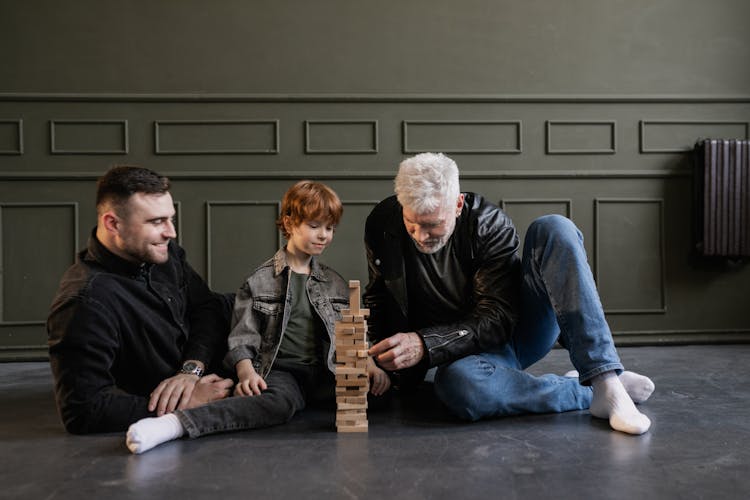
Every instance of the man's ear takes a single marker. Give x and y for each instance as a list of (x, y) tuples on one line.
[(459, 204), (111, 222)]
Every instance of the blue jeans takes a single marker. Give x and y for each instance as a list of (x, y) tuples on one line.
[(558, 301)]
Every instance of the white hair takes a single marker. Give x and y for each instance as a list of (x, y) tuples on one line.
[(426, 182)]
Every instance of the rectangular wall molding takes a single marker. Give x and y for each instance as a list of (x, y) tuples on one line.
[(629, 256), (89, 137), (25, 287), (233, 225), (679, 136), (216, 137), (462, 136), (11, 137), (563, 206), (341, 136), (581, 137)]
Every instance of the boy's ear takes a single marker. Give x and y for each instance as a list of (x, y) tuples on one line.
[(286, 221)]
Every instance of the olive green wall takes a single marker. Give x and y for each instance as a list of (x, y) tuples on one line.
[(585, 108)]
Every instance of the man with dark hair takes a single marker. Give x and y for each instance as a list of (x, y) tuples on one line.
[(133, 327)]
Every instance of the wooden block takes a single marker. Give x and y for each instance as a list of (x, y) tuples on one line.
[(362, 353), (346, 360), (352, 383), (351, 406), (352, 413), (361, 419), (346, 343), (344, 328), (354, 295), (346, 370), (354, 400), (352, 428)]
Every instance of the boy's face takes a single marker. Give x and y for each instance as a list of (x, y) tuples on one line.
[(310, 237)]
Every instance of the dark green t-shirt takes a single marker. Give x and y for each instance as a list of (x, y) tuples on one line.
[(303, 338)]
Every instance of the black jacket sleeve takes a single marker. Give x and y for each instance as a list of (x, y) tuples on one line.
[(83, 346)]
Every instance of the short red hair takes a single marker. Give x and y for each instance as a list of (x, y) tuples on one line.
[(309, 200)]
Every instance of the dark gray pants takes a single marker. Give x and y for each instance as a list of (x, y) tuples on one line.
[(290, 388)]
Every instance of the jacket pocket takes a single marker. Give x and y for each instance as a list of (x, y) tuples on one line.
[(267, 306)]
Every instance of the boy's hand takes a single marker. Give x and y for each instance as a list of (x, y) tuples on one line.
[(250, 383), (380, 382)]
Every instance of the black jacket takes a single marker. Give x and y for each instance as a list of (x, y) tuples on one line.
[(487, 244), (117, 329)]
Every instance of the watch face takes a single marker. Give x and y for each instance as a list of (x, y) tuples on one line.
[(189, 366)]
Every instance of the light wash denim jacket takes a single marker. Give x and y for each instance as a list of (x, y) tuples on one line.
[(261, 311)]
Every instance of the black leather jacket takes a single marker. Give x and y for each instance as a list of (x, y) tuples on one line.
[(487, 244)]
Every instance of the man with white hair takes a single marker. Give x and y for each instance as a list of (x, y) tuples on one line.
[(448, 289)]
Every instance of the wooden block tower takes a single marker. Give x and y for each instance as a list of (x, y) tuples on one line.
[(352, 383)]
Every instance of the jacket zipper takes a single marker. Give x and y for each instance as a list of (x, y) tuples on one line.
[(458, 334)]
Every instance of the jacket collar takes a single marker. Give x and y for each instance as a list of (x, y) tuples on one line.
[(97, 252), (280, 264)]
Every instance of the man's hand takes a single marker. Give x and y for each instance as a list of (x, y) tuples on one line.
[(207, 389), (399, 351), (380, 382), (250, 383), (172, 393)]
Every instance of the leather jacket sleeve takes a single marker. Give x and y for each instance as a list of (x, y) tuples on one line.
[(495, 271)]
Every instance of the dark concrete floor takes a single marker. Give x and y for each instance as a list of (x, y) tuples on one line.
[(698, 447)]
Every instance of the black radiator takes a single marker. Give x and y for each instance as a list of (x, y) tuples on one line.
[(722, 198)]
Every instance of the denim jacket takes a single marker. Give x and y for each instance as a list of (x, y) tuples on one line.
[(261, 313)]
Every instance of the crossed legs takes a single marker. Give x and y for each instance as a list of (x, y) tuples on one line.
[(559, 301)]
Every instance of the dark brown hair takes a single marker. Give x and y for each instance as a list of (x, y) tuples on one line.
[(122, 181)]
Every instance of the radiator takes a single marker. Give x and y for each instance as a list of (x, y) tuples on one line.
[(722, 198)]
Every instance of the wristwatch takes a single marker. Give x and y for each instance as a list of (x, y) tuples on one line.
[(192, 368)]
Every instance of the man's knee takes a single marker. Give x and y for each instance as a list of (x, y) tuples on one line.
[(553, 231), (554, 226), (461, 386)]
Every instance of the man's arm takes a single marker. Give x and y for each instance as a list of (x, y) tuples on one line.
[(83, 343), (208, 316)]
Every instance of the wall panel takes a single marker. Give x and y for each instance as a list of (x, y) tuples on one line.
[(617, 166)]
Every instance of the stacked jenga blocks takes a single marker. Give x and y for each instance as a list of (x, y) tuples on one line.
[(352, 383)]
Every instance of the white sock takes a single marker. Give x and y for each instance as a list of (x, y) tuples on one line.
[(149, 432), (611, 401), (639, 387)]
